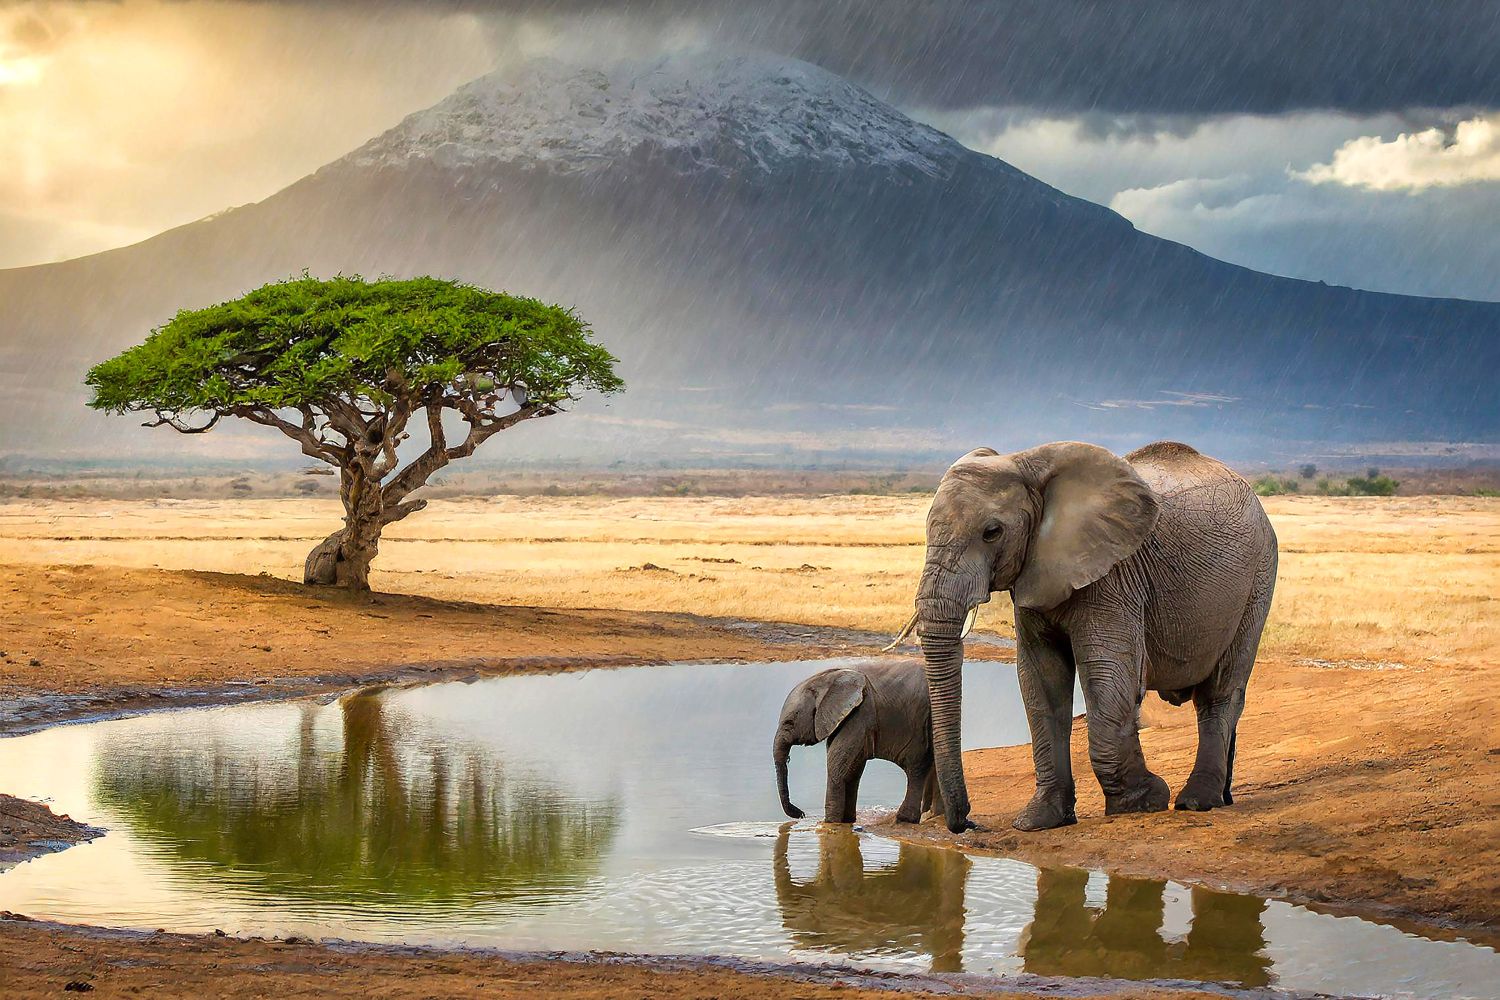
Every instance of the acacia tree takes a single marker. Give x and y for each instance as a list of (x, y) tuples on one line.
[(343, 366)]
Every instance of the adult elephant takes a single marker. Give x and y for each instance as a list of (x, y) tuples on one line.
[(1151, 572)]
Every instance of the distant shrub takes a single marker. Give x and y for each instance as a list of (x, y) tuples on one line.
[(1271, 486), (1485, 491), (1374, 485), (1308, 471)]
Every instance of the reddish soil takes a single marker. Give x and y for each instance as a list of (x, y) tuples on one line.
[(47, 960)]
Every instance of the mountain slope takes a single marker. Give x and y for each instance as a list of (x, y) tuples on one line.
[(786, 264)]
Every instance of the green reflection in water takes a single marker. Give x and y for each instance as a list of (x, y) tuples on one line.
[(372, 820), (1123, 939), (916, 904)]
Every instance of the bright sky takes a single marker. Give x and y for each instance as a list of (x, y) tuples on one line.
[(120, 120)]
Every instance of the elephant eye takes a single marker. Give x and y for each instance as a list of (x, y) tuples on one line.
[(992, 533)]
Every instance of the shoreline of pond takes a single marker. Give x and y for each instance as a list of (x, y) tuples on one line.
[(1278, 819)]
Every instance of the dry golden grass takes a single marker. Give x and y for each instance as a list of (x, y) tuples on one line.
[(1406, 579)]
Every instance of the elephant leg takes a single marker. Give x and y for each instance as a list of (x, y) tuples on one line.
[(1218, 715), (1219, 701), (846, 763), (1111, 658), (916, 789), (932, 795), (1229, 767), (1044, 665), (849, 794)]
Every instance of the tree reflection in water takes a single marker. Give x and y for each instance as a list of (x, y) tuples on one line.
[(914, 905), (373, 820), (1123, 940)]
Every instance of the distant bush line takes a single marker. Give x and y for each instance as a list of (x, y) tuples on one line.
[(1371, 484)]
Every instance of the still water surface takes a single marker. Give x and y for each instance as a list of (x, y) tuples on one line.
[(630, 810)]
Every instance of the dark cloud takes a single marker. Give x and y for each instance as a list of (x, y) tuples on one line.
[(1181, 57)]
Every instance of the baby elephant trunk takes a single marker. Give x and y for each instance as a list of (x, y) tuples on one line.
[(782, 749)]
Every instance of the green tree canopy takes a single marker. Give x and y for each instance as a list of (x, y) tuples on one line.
[(341, 366)]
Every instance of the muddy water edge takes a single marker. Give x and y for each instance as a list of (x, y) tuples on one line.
[(626, 810)]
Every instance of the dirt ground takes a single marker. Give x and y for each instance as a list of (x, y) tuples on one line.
[(44, 960), (87, 629), (31, 828), (1368, 776)]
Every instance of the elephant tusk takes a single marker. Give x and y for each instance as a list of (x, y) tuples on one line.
[(905, 631), (969, 620)]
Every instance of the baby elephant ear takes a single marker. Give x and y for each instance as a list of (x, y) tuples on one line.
[(840, 693), (1096, 512)]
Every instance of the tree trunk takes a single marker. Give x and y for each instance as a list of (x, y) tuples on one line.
[(343, 558)]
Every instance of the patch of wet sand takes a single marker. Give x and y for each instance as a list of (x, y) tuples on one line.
[(29, 829)]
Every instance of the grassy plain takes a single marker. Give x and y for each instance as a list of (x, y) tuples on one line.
[(1406, 579)]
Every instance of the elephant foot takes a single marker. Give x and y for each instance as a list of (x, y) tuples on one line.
[(905, 816), (1201, 795), (1152, 795), (960, 824), (1046, 811)]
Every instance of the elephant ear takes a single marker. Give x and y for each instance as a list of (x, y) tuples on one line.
[(840, 693), (1096, 512)]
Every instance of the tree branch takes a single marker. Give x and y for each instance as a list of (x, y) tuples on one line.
[(438, 454), (345, 418), (481, 429), (312, 445), (425, 464), (396, 512), (174, 421), (395, 427)]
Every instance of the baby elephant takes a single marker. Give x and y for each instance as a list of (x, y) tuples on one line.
[(879, 710)]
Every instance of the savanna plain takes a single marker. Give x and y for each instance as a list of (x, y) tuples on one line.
[(1368, 778)]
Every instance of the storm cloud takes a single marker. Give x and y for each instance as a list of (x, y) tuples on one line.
[(1198, 57), (1353, 142)]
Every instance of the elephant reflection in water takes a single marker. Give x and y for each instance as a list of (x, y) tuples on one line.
[(1124, 939), (916, 904), (367, 817)]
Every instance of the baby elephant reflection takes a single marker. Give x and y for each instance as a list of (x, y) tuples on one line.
[(913, 905), (1124, 940)]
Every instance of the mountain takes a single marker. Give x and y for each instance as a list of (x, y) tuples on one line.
[(788, 268)]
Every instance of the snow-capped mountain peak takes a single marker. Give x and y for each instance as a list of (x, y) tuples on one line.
[(704, 110)]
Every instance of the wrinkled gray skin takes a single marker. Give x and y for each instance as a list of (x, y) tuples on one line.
[(876, 711), (1151, 572)]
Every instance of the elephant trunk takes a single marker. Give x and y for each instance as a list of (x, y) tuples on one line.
[(940, 625), (781, 751)]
